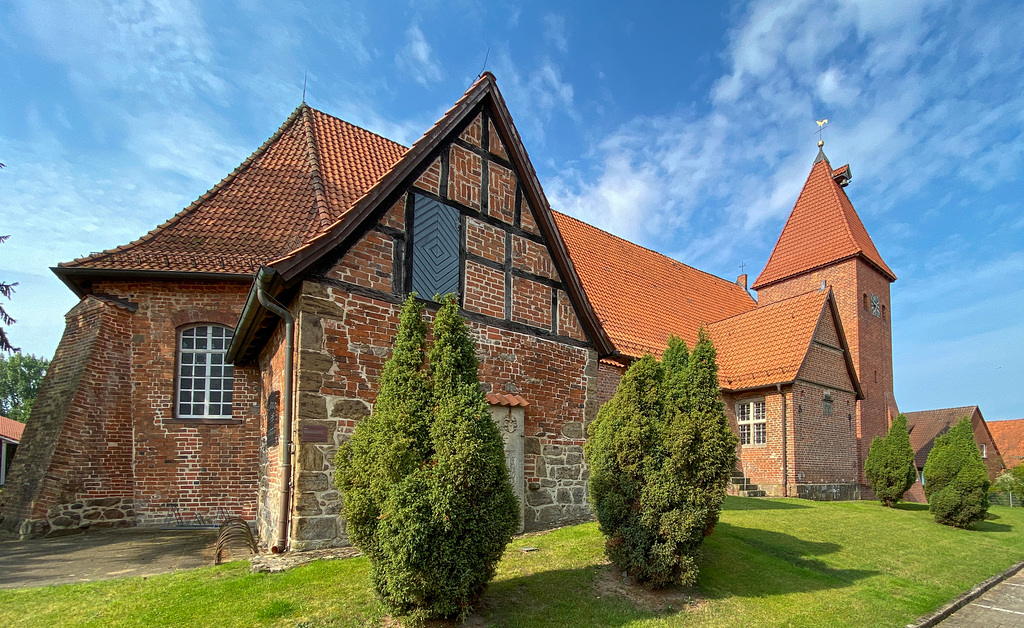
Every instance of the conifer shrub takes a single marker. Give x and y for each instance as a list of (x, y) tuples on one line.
[(426, 491), (955, 478), (890, 466), (660, 454)]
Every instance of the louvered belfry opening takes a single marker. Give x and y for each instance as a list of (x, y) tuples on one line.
[(435, 248)]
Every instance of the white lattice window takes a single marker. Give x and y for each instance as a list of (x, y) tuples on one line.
[(205, 382), (752, 421)]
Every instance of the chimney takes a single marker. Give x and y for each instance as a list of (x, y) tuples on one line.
[(741, 281)]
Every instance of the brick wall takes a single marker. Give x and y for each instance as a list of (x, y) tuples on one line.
[(484, 240), (206, 468), (531, 302), (762, 464), (484, 290), (869, 337), (608, 376), (272, 365), (73, 466), (825, 446)]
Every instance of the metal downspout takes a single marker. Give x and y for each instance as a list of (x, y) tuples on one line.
[(286, 428), (785, 461)]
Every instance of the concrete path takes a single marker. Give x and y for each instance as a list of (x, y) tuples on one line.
[(1002, 606), (103, 554)]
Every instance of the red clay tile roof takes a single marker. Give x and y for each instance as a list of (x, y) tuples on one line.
[(1009, 439), (822, 228), (302, 179), (766, 345), (498, 399), (642, 297), (11, 429), (926, 425)]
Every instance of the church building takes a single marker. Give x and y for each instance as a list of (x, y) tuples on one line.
[(213, 366)]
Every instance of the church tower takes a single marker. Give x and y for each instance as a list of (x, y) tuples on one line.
[(824, 242)]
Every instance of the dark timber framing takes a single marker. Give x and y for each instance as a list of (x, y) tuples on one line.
[(340, 236)]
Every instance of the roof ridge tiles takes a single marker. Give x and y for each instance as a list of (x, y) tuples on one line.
[(204, 197), (321, 202), (950, 409), (774, 304)]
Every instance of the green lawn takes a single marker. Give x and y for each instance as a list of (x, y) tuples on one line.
[(769, 563)]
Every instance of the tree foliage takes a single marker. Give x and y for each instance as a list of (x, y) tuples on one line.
[(427, 494), (1011, 481), (955, 478), (660, 454), (6, 290), (890, 466), (20, 378)]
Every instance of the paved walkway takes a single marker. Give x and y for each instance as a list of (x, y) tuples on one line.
[(1002, 606), (103, 554)]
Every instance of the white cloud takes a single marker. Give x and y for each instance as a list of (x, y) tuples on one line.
[(890, 79), (534, 96), (158, 48), (554, 32), (924, 100), (834, 89), (417, 58)]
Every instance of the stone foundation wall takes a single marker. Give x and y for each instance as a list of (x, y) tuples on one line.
[(828, 492), (101, 512), (558, 495)]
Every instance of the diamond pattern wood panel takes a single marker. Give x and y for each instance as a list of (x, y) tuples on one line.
[(435, 248)]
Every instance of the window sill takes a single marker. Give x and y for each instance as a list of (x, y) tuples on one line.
[(177, 421), (753, 446)]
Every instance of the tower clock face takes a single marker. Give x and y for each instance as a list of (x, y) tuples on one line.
[(876, 309)]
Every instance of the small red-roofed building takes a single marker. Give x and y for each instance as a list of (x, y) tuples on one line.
[(1009, 438), (10, 436), (927, 425)]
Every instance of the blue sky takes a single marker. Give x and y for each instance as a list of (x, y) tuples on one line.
[(686, 128)]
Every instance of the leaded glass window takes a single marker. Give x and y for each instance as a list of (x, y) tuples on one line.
[(205, 382)]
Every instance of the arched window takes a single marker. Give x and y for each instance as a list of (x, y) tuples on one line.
[(205, 382)]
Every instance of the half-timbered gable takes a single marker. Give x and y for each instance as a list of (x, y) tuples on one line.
[(461, 212)]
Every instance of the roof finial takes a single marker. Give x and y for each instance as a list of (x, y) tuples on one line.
[(304, 74), (822, 125)]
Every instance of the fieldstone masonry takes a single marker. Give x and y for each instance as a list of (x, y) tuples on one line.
[(102, 512)]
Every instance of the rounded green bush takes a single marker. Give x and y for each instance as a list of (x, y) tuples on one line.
[(660, 453), (890, 466), (955, 478), (427, 495)]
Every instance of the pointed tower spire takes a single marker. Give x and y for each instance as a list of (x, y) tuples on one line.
[(822, 229)]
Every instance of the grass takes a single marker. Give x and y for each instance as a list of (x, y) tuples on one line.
[(769, 563)]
